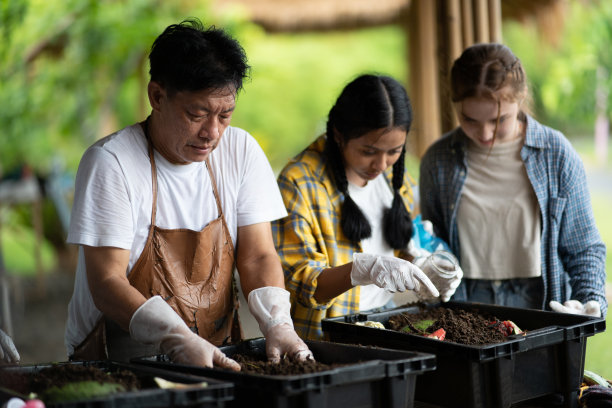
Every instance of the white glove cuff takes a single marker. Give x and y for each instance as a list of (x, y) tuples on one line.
[(8, 351), (270, 306), (362, 266), (153, 320)]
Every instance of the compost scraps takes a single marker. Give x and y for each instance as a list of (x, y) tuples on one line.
[(70, 382), (459, 326)]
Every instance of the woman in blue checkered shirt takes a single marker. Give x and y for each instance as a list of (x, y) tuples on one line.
[(510, 196)]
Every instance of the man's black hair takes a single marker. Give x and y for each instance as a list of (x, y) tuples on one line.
[(189, 57)]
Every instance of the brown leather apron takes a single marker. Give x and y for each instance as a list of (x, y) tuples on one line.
[(191, 270)]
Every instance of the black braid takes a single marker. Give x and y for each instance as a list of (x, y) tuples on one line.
[(397, 223), (369, 103), (354, 223)]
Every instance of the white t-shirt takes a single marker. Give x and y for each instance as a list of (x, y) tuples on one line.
[(373, 199), (498, 217), (113, 200)]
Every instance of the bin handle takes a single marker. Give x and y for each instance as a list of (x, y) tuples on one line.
[(542, 330)]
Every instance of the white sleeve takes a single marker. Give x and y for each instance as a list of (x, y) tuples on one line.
[(101, 212), (259, 199)]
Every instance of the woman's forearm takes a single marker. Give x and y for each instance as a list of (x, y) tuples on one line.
[(333, 282)]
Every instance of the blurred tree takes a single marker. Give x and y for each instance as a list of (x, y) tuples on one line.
[(296, 79), (569, 77), (73, 71)]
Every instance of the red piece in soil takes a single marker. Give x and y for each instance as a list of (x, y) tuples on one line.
[(439, 334)]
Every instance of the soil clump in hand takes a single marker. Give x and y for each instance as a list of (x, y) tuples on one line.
[(468, 327)]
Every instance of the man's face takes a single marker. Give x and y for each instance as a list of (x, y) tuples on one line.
[(187, 126)]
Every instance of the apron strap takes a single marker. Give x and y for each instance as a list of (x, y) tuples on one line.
[(145, 128), (219, 208)]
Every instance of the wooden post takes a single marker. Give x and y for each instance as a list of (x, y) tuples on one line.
[(481, 21), (450, 46), (455, 29), (467, 26), (424, 87), (495, 21)]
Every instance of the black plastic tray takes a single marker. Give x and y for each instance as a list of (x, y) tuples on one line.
[(216, 393), (375, 377), (545, 364)]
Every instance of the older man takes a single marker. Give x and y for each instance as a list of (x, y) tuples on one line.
[(164, 209)]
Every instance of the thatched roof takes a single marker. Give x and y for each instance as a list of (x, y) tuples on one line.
[(321, 15), (548, 15)]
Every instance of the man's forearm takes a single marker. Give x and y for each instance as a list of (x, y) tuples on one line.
[(262, 271)]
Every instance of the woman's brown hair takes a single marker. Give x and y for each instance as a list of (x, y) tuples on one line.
[(484, 69), (490, 70)]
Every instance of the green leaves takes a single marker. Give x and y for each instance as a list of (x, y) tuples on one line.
[(564, 79)]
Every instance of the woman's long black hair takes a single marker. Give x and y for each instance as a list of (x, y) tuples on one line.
[(370, 102)]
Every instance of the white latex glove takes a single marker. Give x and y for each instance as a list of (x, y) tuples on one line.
[(446, 285), (416, 252), (8, 351), (391, 273), (590, 308), (271, 307), (155, 322)]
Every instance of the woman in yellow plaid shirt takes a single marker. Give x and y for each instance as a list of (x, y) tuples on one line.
[(349, 204)]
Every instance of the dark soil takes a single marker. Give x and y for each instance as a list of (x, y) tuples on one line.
[(61, 374), (461, 326), (287, 366)]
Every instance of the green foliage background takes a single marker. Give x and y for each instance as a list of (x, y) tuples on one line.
[(72, 71)]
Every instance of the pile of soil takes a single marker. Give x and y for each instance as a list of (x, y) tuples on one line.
[(468, 327), (287, 366), (60, 376)]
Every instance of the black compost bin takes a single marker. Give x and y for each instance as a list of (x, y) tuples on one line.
[(372, 377), (545, 366), (193, 393)]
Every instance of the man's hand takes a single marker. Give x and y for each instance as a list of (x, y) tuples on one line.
[(155, 322), (282, 339), (391, 273), (590, 308), (270, 306), (8, 351)]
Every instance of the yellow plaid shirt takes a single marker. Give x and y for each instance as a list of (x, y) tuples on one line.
[(310, 238)]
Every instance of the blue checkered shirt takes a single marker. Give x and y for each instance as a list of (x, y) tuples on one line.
[(572, 252)]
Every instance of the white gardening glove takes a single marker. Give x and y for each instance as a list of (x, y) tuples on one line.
[(271, 307), (391, 273), (445, 283), (590, 308), (8, 351), (155, 322), (415, 251)]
